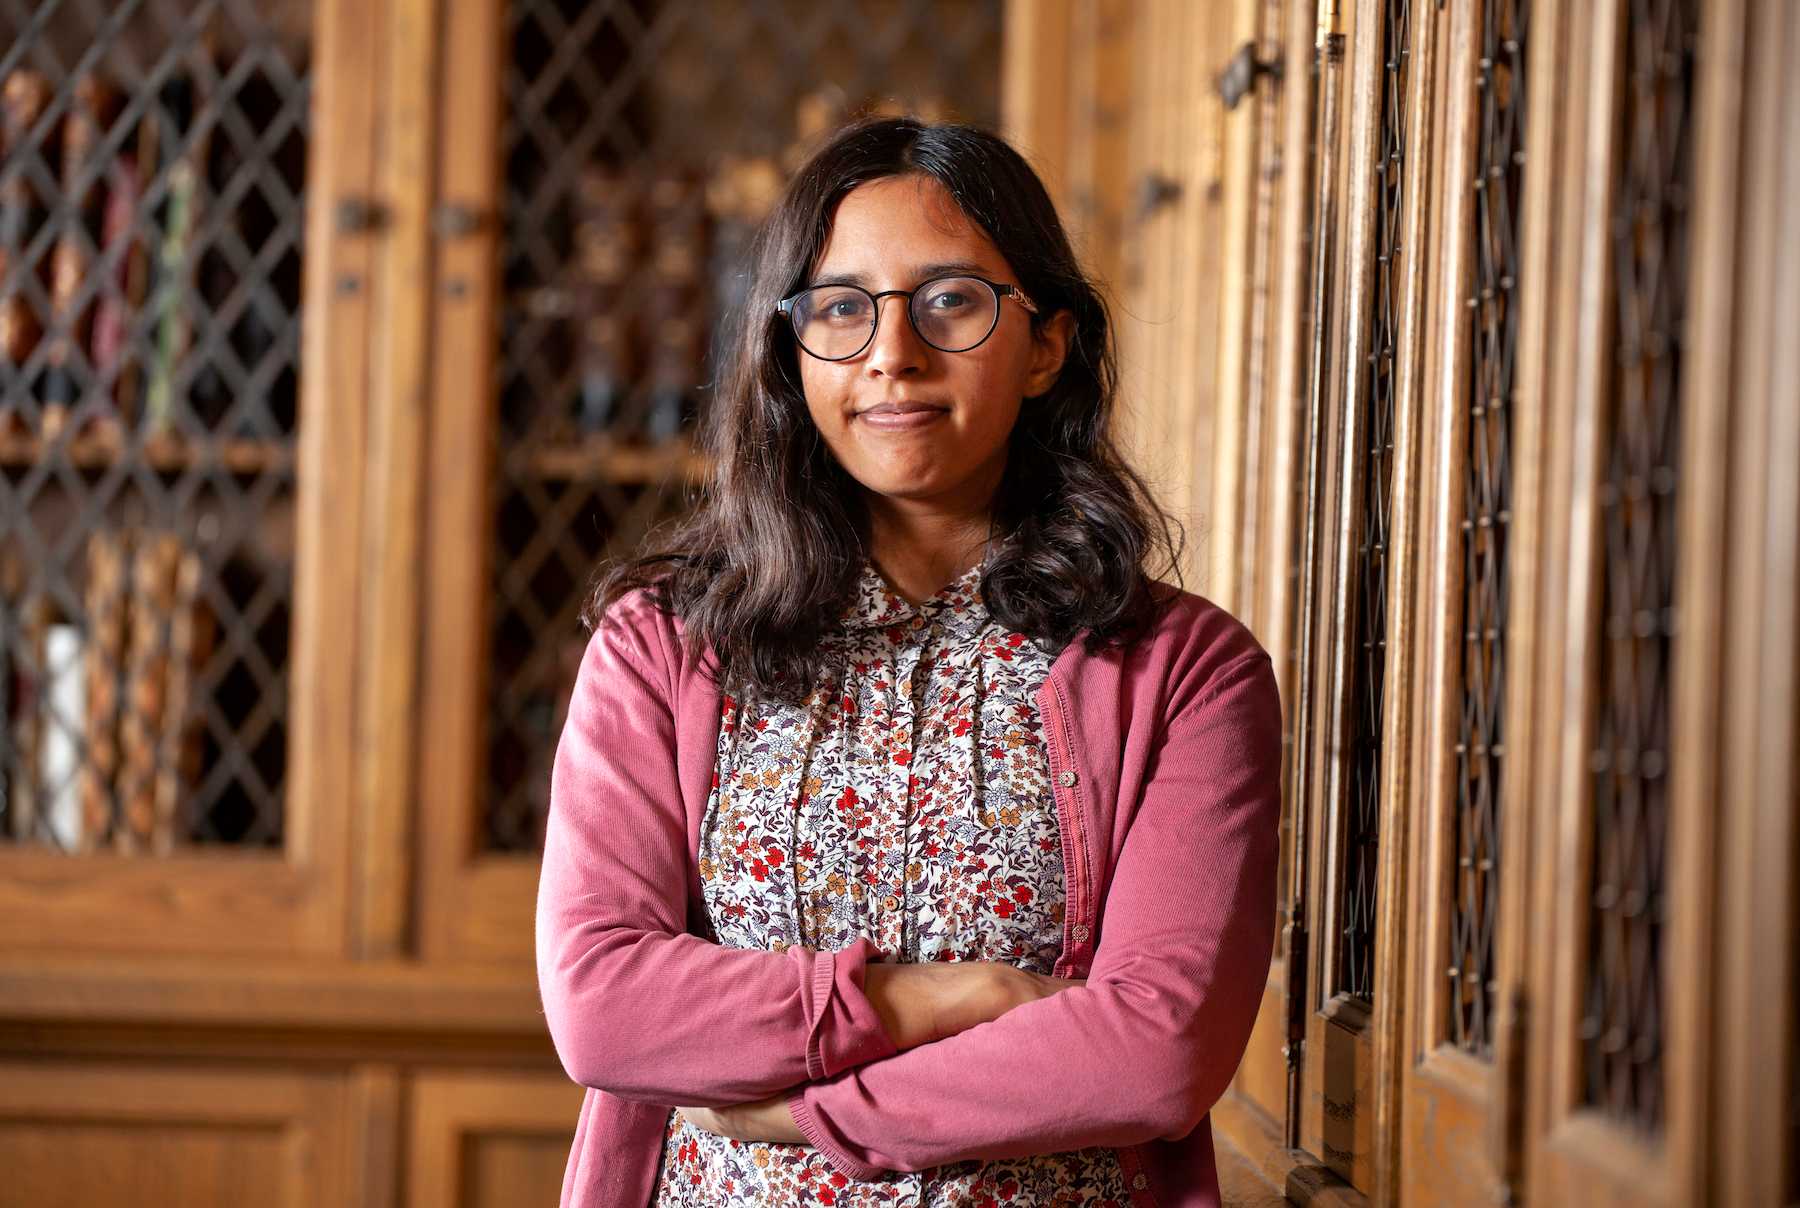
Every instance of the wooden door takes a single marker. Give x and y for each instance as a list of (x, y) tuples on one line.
[(1457, 1060), (481, 1138), (1372, 89), (181, 472), (1667, 621), (598, 173)]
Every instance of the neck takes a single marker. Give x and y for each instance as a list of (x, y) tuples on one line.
[(921, 552)]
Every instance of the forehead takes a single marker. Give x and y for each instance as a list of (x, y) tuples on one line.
[(889, 225)]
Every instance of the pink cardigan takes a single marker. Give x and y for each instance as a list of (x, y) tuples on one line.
[(1166, 774)]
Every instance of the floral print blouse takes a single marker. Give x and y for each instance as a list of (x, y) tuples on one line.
[(907, 800)]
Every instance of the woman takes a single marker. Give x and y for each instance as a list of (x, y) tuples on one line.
[(907, 842)]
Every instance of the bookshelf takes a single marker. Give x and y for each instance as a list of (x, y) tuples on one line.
[(341, 342)]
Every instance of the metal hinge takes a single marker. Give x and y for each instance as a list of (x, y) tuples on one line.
[(1239, 76), (358, 215), (1295, 1048), (1296, 979)]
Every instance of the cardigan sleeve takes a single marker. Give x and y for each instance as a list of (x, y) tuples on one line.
[(1144, 1049), (637, 1006)]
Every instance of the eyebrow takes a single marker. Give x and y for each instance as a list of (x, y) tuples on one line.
[(923, 272)]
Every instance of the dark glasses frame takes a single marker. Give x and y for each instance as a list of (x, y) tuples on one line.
[(1001, 289)]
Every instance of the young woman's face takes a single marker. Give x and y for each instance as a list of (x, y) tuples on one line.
[(895, 233)]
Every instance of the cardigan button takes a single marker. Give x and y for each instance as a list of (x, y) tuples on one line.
[(1081, 933), (1140, 1182), (1067, 778)]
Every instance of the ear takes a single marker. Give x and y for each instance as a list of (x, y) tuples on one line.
[(1049, 348)]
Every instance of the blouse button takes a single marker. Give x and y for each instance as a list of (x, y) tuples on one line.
[(891, 902), (1081, 933), (1140, 1182), (1066, 779)]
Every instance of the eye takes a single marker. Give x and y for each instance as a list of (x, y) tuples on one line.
[(949, 298), (839, 307)]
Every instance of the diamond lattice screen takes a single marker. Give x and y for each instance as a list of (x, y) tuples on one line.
[(643, 142), (1496, 194), (151, 210), (1622, 1024)]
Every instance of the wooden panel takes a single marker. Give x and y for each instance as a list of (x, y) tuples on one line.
[(1066, 96), (489, 1139), (1169, 322), (387, 716), (1276, 517), (1758, 1012), (502, 1168), (474, 907), (1243, 284), (76, 1135), (1268, 169), (1338, 1104), (43, 991)]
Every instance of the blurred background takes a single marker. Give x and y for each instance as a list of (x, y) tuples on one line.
[(341, 341)]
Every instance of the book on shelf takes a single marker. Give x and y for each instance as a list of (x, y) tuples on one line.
[(93, 104), (24, 98), (146, 664), (184, 141), (105, 598), (125, 252), (14, 698), (179, 738), (32, 616), (59, 738)]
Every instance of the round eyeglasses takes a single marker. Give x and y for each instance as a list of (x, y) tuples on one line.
[(952, 314)]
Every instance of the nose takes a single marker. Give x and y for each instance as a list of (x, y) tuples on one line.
[(896, 349)]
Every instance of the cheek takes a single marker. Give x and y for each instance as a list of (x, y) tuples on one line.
[(824, 391)]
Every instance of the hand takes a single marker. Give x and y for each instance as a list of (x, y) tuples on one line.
[(762, 1120)]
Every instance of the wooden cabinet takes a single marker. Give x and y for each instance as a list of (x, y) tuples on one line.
[(1458, 332), (340, 344)]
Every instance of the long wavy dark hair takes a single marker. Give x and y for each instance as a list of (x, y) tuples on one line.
[(767, 556)]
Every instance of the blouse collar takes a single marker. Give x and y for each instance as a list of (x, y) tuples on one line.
[(957, 607)]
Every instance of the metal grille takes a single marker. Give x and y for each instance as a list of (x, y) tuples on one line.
[(643, 142), (1493, 321), (1356, 937), (151, 210), (1622, 1027)]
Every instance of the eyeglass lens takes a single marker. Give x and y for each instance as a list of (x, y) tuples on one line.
[(952, 314)]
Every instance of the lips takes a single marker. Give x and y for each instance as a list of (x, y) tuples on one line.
[(905, 408)]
